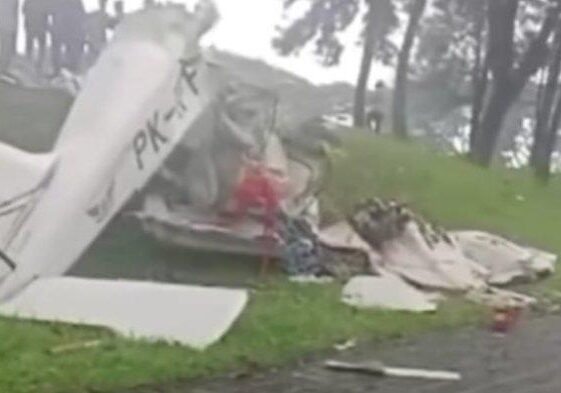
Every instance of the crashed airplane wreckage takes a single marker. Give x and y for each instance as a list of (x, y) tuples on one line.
[(155, 104), (147, 92)]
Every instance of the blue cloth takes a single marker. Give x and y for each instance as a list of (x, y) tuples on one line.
[(301, 253)]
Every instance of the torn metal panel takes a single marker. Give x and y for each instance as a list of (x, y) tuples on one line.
[(441, 266), (187, 227), (505, 260), (386, 291)]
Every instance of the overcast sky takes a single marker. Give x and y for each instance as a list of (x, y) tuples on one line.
[(247, 27)]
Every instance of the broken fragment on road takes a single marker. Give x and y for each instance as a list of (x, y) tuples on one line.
[(379, 369)]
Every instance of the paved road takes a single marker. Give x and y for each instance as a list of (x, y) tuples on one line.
[(527, 361)]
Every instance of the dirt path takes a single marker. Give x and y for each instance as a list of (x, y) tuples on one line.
[(528, 360)]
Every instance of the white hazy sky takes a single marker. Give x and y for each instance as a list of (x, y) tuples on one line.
[(247, 27)]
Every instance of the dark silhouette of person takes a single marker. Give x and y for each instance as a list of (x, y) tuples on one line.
[(381, 102), (68, 34), (119, 12), (36, 24)]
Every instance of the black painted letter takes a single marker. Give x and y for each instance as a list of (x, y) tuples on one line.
[(139, 145)]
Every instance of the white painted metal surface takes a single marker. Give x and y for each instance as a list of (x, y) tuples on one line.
[(193, 316), (386, 291)]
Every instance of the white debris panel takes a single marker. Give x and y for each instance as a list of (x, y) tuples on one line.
[(505, 260), (191, 315), (386, 291)]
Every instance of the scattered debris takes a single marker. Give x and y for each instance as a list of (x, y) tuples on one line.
[(504, 319), (301, 253), (346, 345), (505, 260), (398, 242), (341, 236), (412, 248), (496, 298), (386, 291), (379, 369), (311, 279), (75, 347)]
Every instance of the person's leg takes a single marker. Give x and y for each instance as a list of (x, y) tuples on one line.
[(41, 42), (370, 121), (379, 123), (375, 121), (56, 48), (74, 52)]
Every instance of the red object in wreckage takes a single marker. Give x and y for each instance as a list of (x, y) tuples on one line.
[(259, 187), (504, 319)]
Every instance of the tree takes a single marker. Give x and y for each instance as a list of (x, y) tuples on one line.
[(449, 60), (402, 72), (378, 14), (548, 113), (322, 25), (480, 69), (509, 72)]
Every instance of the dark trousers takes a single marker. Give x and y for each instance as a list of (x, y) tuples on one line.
[(7, 49), (375, 120), (70, 52)]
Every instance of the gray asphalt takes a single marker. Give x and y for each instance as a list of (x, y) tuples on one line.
[(528, 360)]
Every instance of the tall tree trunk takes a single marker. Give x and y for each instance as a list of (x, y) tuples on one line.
[(500, 100), (479, 75), (359, 114), (543, 76), (542, 165), (509, 76), (402, 72), (545, 114)]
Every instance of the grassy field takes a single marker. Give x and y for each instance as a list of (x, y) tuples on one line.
[(286, 321)]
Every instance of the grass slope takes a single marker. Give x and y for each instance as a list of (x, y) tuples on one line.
[(285, 321)]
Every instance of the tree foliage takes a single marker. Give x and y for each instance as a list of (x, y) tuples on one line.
[(322, 26), (483, 53)]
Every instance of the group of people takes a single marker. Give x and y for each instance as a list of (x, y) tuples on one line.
[(64, 26)]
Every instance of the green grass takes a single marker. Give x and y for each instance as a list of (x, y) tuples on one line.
[(286, 321)]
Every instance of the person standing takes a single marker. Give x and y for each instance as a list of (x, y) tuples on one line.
[(119, 12), (36, 23), (68, 34), (379, 112), (8, 33)]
